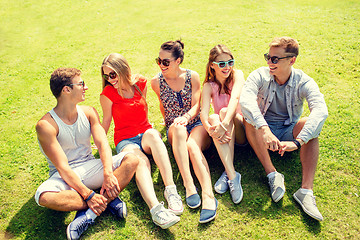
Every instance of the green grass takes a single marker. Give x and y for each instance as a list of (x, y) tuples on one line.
[(37, 37)]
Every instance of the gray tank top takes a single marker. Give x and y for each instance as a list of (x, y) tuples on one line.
[(74, 140)]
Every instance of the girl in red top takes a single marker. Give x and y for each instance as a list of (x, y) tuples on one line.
[(124, 99)]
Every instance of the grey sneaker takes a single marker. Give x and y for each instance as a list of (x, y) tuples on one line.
[(163, 217), (221, 185), (235, 188), (277, 187), (173, 199), (308, 204)]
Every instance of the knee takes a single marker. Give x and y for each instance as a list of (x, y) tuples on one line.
[(222, 112), (152, 135), (213, 118), (131, 162), (192, 146), (43, 200), (179, 131)]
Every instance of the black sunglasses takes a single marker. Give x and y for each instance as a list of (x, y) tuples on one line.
[(80, 83), (165, 62), (112, 75), (274, 59)]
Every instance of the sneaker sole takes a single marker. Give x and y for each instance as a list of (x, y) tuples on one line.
[(220, 192), (305, 210), (279, 197), (168, 224), (239, 199), (177, 213), (68, 232), (208, 220)]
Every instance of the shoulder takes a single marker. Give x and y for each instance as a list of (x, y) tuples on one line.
[(46, 125), (195, 78), (260, 73), (208, 87), (155, 82), (88, 110), (108, 90)]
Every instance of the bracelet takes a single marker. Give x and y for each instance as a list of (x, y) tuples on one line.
[(297, 143), (222, 125), (187, 114), (90, 196)]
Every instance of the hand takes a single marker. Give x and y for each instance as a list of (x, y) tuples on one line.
[(181, 121), (97, 204), (225, 138), (111, 186), (287, 146), (216, 132), (270, 140)]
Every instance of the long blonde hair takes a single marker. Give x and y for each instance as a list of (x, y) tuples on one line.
[(120, 66), (210, 72)]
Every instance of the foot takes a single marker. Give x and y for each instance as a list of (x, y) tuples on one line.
[(235, 188), (78, 226), (193, 201), (163, 217), (277, 187), (207, 215), (306, 199), (221, 185), (118, 208), (173, 199)]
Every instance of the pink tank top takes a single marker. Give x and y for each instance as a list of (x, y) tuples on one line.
[(221, 100)]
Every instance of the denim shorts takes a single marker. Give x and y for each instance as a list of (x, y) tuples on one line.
[(281, 131), (134, 140), (189, 128)]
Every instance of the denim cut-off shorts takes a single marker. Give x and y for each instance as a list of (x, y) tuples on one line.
[(281, 131), (189, 128), (134, 140)]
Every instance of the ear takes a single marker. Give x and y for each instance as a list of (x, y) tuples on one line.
[(178, 61), (66, 89), (292, 61)]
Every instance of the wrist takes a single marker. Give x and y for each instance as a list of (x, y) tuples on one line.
[(187, 116), (297, 143), (89, 196), (300, 141), (223, 126)]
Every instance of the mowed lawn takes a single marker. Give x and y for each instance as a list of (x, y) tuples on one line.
[(36, 37)]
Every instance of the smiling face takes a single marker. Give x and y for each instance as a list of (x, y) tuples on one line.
[(114, 82), (282, 69), (174, 63), (222, 73), (78, 88)]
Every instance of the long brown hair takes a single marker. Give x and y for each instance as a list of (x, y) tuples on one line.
[(210, 72)]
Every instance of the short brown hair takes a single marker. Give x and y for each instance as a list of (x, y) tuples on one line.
[(62, 77), (290, 44)]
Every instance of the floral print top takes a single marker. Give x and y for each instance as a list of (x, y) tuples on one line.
[(175, 103)]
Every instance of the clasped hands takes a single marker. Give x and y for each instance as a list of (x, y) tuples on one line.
[(110, 190), (274, 144), (219, 133)]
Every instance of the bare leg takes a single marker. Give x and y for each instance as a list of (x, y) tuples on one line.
[(240, 136), (177, 138), (67, 200), (143, 176), (255, 139), (226, 150), (309, 155), (153, 144), (198, 141)]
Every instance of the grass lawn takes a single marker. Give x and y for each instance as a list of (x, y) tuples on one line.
[(37, 37)]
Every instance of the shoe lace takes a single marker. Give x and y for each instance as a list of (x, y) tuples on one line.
[(161, 214), (272, 183), (224, 178), (82, 226), (231, 186), (313, 200), (174, 199)]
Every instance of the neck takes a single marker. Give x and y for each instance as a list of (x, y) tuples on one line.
[(173, 75), (66, 111), (283, 78)]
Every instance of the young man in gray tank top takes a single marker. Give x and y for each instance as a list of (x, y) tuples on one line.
[(64, 136), (272, 104)]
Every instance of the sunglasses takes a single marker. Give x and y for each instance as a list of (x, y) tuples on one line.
[(223, 64), (112, 75), (165, 62), (80, 83), (274, 59)]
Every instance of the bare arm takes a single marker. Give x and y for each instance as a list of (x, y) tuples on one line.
[(106, 105), (156, 88), (205, 106), (110, 184)]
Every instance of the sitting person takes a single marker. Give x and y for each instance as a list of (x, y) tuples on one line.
[(222, 88), (64, 136), (272, 105), (178, 90), (124, 99)]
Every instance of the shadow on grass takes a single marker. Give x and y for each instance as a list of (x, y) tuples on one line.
[(34, 222), (257, 202)]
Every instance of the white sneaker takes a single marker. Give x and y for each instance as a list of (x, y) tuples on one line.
[(163, 217), (277, 187), (173, 199), (308, 204)]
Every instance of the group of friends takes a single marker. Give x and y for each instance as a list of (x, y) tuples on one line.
[(263, 111)]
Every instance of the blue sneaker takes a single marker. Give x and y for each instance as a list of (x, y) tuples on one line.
[(193, 201), (78, 226), (221, 185), (118, 208), (235, 188), (206, 215)]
